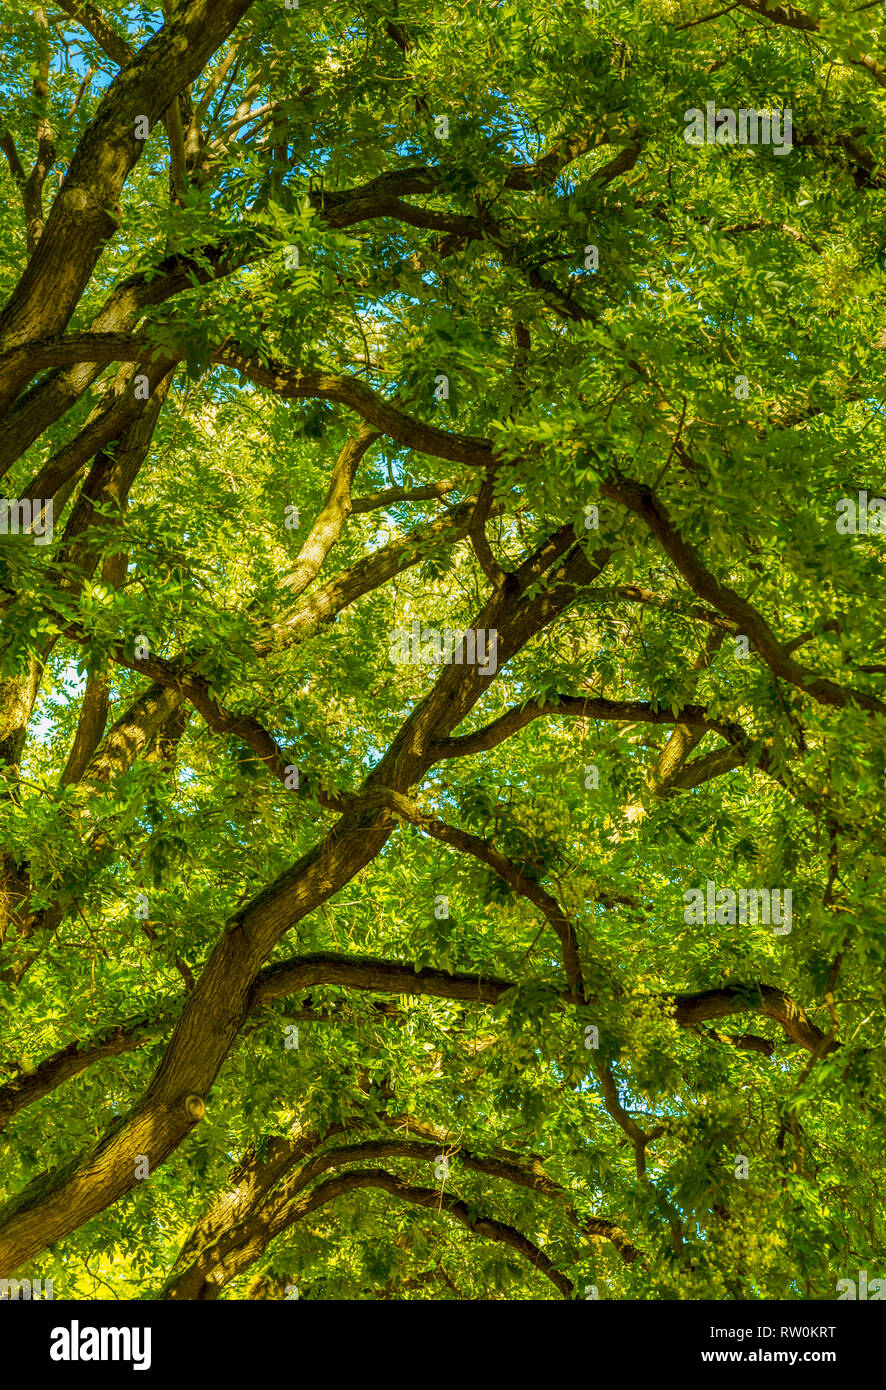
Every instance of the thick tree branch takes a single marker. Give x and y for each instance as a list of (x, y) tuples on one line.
[(640, 499)]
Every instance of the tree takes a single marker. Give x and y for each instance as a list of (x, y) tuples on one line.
[(441, 703)]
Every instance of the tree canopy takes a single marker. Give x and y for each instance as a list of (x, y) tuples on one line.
[(442, 667)]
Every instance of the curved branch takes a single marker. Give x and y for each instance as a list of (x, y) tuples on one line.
[(234, 1249), (642, 500), (374, 975), (583, 707), (82, 220), (289, 383)]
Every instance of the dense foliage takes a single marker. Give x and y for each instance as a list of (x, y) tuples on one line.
[(333, 968)]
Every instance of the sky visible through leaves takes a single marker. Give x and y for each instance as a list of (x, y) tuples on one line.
[(337, 962)]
